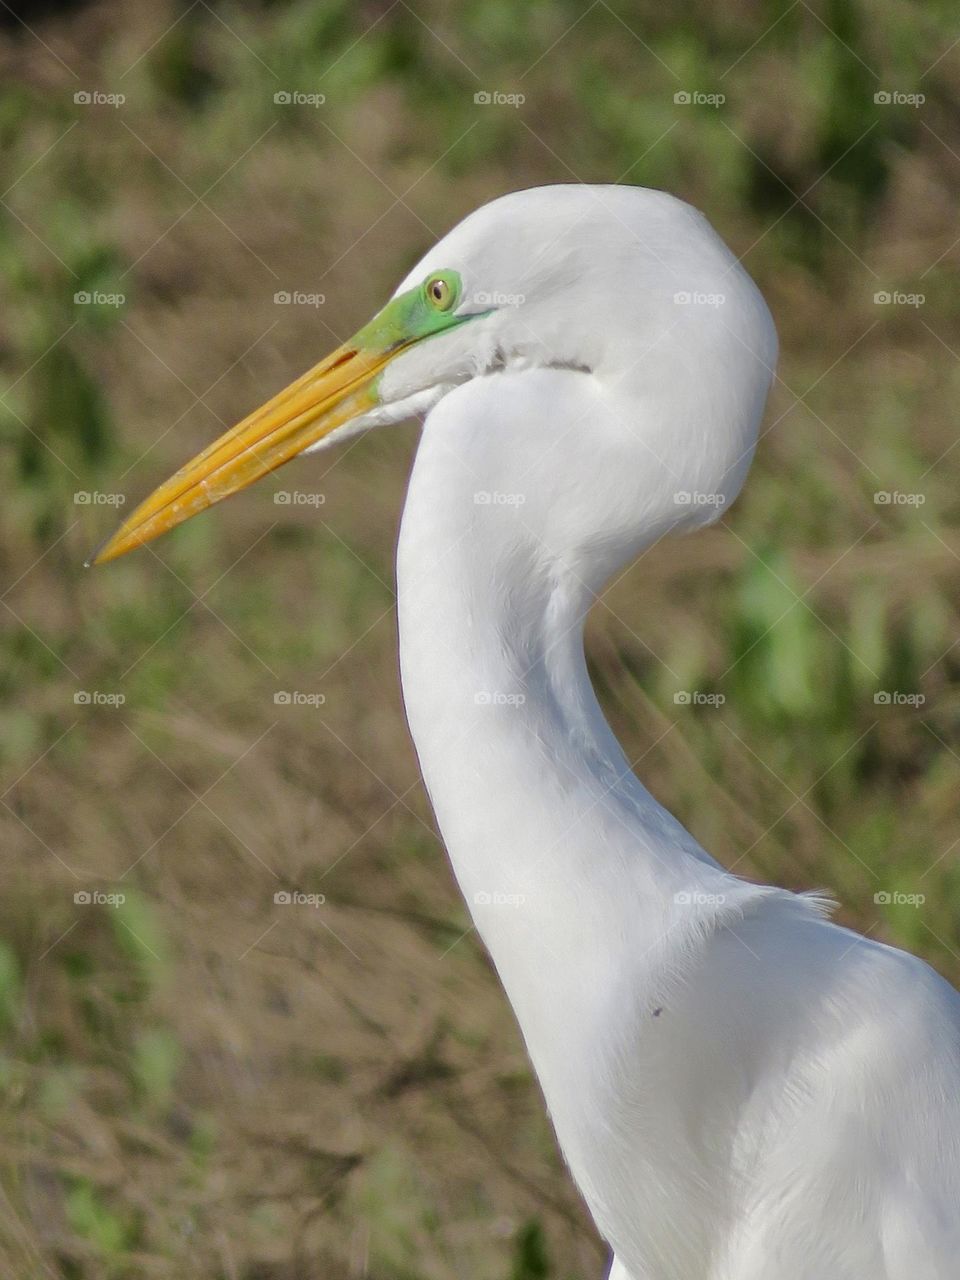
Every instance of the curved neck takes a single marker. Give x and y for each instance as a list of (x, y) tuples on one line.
[(558, 848), (593, 902)]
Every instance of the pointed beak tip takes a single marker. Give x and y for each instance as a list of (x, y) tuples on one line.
[(97, 555)]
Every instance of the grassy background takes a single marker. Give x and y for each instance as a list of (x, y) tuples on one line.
[(196, 1081)]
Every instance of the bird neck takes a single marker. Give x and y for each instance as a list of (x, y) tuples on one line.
[(558, 848)]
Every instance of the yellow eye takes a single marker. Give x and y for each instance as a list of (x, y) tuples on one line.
[(439, 293)]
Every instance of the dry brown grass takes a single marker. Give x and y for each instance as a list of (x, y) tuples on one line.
[(204, 1084)]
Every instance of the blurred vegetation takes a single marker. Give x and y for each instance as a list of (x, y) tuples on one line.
[(195, 1081)]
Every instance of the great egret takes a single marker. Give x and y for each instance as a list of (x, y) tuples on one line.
[(742, 1089)]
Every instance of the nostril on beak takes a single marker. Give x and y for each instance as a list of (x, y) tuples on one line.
[(343, 359)]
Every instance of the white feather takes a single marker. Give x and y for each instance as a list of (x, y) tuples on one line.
[(742, 1089)]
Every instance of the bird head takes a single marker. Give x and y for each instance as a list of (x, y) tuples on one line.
[(626, 286)]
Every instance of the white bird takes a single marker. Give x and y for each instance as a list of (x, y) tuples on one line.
[(742, 1089)]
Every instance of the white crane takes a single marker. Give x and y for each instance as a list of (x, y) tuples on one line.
[(742, 1089)]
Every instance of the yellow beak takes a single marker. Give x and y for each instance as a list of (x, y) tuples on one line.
[(339, 388)]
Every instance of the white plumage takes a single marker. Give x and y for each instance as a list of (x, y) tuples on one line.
[(742, 1089)]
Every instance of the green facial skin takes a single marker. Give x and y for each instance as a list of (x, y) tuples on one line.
[(416, 314)]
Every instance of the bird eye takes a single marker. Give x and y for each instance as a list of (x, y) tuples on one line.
[(440, 293)]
